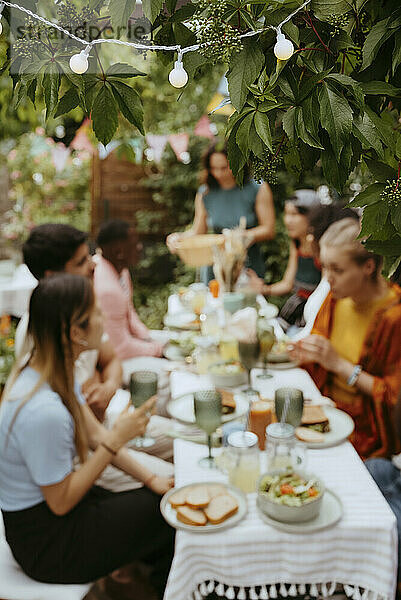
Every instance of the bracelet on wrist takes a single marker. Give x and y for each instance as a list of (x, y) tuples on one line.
[(149, 479), (352, 379), (113, 452)]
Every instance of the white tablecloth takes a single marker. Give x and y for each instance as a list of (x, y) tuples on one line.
[(16, 292), (359, 552)]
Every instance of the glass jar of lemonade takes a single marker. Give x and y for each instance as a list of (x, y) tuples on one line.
[(242, 460)]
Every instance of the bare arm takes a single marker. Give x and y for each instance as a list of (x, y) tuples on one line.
[(264, 208), (63, 496), (99, 393), (287, 283), (199, 226)]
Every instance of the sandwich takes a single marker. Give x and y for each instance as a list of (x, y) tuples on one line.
[(314, 417), (227, 402)]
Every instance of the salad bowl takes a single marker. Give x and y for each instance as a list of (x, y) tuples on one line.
[(277, 496)]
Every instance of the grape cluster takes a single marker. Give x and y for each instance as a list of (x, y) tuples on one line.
[(337, 22), (76, 21), (218, 39), (392, 193), (265, 168), (29, 45)]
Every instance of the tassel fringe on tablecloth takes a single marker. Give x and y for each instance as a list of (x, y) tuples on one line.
[(267, 592)]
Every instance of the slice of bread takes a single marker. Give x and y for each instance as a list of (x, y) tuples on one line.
[(309, 435), (227, 401), (190, 516), (216, 489), (178, 499), (221, 508), (197, 496)]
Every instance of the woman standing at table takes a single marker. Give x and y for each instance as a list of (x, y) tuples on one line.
[(62, 528), (354, 351), (220, 204)]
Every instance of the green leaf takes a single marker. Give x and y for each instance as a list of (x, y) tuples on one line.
[(244, 69), (311, 113), (235, 157), (352, 86), (397, 51), (31, 90), (365, 131), (104, 115), (192, 61), (383, 129), (123, 70), (129, 102), (398, 146), (120, 12), (390, 247), (242, 135), (289, 124), (335, 117), (380, 171), (302, 131), (333, 166), (370, 195), (373, 218), (69, 101), (236, 117), (396, 218), (255, 143), (380, 88), (262, 126), (292, 161), (379, 34), (51, 84), (152, 9), (310, 84), (325, 8)]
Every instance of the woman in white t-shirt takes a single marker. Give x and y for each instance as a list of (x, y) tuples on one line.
[(62, 528)]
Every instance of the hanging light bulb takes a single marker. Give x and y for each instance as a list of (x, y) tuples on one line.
[(79, 62), (1, 26), (178, 77), (283, 48)]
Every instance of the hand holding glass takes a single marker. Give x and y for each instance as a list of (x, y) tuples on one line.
[(143, 385), (207, 406)]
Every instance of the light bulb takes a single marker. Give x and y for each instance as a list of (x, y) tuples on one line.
[(1, 26), (178, 77), (283, 48), (79, 62)]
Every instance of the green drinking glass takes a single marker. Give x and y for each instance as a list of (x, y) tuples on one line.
[(207, 407), (266, 339), (249, 356), (142, 386), (295, 407)]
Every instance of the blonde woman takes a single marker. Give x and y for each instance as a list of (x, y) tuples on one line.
[(354, 350), (61, 527)]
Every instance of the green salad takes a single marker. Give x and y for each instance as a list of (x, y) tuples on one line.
[(281, 489)]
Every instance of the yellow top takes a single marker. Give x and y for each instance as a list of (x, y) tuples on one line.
[(350, 326)]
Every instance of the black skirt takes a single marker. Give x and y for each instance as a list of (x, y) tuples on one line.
[(103, 532)]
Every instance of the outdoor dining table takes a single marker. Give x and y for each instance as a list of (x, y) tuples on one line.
[(359, 552)]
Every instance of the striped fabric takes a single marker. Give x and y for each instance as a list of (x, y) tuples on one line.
[(359, 552)]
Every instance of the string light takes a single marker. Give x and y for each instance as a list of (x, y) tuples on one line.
[(79, 62), (283, 49), (178, 77)]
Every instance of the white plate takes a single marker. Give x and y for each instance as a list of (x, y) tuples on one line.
[(169, 513), (182, 409), (341, 427), (182, 320), (330, 513)]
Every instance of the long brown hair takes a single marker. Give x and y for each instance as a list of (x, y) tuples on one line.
[(57, 303), (219, 147)]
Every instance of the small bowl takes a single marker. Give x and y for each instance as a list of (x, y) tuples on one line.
[(291, 514), (228, 379)]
